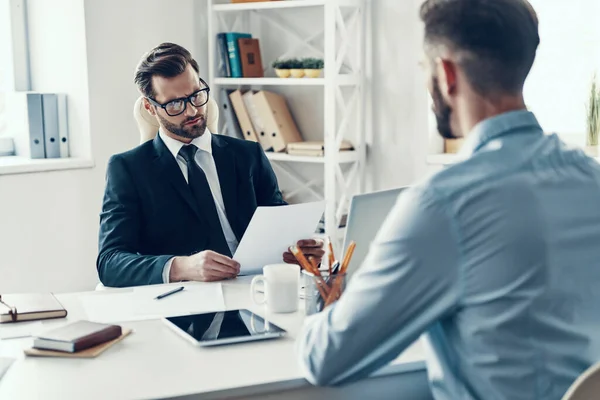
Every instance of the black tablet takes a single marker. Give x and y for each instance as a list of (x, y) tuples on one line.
[(213, 329)]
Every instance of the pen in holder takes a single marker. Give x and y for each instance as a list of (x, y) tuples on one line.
[(321, 291)]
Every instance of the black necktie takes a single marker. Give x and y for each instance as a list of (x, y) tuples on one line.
[(201, 190)]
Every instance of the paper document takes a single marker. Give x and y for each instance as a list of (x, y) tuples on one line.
[(5, 364), (272, 230), (197, 297)]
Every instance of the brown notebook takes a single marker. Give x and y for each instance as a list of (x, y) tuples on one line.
[(250, 57), (29, 307), (77, 336), (87, 353)]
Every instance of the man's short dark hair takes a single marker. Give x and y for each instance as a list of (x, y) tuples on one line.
[(167, 60), (495, 40)]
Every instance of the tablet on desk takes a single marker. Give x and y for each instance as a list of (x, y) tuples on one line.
[(227, 327)]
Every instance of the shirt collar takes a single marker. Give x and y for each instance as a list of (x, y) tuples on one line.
[(498, 126), (203, 142)]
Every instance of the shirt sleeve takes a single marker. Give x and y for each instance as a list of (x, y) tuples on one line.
[(166, 275), (408, 280)]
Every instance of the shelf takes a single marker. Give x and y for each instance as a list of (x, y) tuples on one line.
[(343, 80), (344, 158), (268, 5)]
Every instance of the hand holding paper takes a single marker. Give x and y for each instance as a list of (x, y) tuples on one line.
[(273, 230)]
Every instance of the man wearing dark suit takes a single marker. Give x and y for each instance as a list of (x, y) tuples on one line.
[(176, 207)]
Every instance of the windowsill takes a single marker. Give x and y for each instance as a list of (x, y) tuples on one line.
[(21, 165)]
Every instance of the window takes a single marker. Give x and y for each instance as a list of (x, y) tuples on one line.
[(14, 63)]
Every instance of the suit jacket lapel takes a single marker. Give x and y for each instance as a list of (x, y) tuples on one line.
[(168, 167), (225, 162)]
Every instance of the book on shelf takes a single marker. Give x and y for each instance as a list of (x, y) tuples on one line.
[(233, 50), (224, 68), (315, 146), (277, 119), (250, 58), (77, 336), (30, 307)]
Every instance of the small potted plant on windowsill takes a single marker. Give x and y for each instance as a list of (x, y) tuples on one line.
[(593, 120), (296, 68), (313, 67), (282, 68)]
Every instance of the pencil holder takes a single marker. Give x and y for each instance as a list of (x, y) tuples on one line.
[(322, 291)]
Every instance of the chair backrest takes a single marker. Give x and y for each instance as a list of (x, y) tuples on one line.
[(148, 126), (587, 386)]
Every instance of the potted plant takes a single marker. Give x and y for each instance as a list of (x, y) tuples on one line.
[(313, 67), (593, 119), (296, 68), (282, 68)]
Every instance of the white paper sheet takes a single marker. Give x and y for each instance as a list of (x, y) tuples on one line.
[(272, 230), (5, 364), (197, 297), (20, 329)]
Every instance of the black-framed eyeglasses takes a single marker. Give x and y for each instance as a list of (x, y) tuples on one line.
[(176, 107)]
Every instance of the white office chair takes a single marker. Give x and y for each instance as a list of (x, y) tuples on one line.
[(148, 126), (587, 386)]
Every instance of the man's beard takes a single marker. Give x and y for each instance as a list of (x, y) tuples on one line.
[(188, 132), (442, 112)]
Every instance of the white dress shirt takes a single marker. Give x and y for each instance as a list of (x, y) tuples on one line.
[(205, 160)]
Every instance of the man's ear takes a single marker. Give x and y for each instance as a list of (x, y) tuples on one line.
[(149, 107), (446, 72)]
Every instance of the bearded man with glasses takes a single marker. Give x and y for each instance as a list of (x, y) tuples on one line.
[(176, 207)]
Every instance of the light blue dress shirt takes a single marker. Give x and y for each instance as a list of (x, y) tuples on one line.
[(496, 260)]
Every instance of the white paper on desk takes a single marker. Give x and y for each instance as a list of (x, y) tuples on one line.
[(272, 230), (197, 297), (5, 364)]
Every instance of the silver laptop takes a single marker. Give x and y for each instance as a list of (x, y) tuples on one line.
[(367, 213)]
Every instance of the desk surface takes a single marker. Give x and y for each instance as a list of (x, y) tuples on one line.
[(155, 362)]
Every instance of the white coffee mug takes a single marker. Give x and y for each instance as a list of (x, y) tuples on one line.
[(281, 285)]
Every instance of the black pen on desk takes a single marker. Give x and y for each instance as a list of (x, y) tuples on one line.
[(162, 296)]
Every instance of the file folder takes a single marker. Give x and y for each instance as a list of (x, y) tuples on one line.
[(51, 137)]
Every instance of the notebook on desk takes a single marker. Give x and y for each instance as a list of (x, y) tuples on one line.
[(30, 307)]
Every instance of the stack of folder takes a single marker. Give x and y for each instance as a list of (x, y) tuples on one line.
[(262, 117)]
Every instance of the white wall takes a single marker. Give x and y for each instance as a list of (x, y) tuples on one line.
[(399, 144), (49, 221)]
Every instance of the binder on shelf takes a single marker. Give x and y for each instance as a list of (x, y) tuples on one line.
[(257, 123), (27, 123), (224, 69), (232, 125), (250, 58), (277, 119), (51, 136), (242, 116), (63, 125), (234, 52)]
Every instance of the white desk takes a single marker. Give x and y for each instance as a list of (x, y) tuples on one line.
[(154, 362)]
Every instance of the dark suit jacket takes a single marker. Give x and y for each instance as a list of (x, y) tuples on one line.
[(149, 214)]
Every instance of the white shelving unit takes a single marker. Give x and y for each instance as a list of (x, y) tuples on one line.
[(340, 42)]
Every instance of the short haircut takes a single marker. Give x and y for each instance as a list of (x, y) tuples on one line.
[(167, 60), (495, 40)]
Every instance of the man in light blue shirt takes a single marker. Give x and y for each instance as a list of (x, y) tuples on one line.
[(496, 260)]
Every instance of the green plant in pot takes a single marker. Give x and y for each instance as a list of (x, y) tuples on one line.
[(296, 68), (313, 67), (282, 68), (593, 119)]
